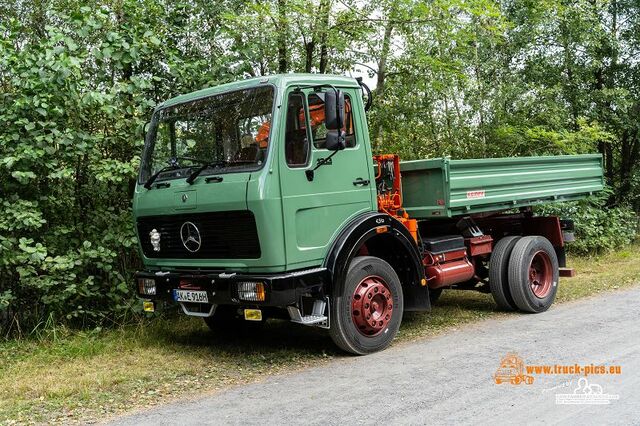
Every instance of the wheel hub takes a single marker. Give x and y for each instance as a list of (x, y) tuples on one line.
[(371, 305), (540, 274)]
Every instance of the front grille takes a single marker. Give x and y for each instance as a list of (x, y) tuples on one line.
[(223, 235)]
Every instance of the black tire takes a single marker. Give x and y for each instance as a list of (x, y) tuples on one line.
[(434, 295), (343, 329), (227, 319), (526, 254), (499, 273)]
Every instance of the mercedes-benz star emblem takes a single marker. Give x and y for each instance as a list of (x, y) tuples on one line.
[(190, 236)]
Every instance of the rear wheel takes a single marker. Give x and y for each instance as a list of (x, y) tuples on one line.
[(367, 307), (499, 273), (533, 274)]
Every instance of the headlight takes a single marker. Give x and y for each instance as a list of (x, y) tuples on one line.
[(147, 286), (251, 291)]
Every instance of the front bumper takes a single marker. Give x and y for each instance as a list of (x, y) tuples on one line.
[(282, 289)]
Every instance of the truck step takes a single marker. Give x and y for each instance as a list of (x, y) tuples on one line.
[(318, 317), (311, 320)]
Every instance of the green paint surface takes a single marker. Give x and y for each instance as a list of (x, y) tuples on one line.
[(443, 187)]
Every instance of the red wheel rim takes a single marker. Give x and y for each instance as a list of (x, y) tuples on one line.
[(371, 306), (540, 274)]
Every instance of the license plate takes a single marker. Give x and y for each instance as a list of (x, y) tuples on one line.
[(190, 296)]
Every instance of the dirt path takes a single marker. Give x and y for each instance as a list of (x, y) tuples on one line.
[(448, 379)]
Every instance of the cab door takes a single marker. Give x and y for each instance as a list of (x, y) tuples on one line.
[(315, 211)]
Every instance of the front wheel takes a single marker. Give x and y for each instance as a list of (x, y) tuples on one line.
[(367, 307)]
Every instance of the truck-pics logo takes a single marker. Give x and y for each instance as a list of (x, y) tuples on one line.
[(512, 370)]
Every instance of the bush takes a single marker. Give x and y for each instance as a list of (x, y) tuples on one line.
[(75, 92), (67, 160), (598, 228)]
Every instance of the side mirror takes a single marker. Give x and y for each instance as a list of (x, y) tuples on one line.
[(144, 130), (335, 140), (334, 120), (334, 109)]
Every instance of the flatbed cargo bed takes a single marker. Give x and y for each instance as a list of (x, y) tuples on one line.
[(444, 188)]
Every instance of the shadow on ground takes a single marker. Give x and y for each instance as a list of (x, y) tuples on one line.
[(283, 337)]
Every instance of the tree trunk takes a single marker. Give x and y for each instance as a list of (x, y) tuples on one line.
[(384, 56), (570, 87), (325, 10), (283, 36), (309, 48), (478, 75), (39, 20), (630, 152), (382, 71)]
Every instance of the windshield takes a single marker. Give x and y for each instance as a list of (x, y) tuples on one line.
[(230, 131)]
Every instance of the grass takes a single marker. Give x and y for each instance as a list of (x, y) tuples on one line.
[(71, 377)]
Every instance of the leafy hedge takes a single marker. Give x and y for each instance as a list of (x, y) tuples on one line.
[(66, 239), (74, 95), (598, 228)]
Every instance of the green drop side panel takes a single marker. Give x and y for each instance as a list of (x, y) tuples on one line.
[(442, 187)]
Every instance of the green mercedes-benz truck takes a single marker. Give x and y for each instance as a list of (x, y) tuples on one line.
[(263, 199)]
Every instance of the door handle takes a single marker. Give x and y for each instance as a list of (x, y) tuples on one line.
[(327, 161), (361, 182)]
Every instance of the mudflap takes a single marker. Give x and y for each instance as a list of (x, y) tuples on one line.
[(416, 298)]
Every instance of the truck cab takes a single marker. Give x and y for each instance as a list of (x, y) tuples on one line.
[(260, 211), (264, 198)]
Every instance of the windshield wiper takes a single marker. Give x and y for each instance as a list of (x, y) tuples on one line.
[(213, 164), (154, 176)]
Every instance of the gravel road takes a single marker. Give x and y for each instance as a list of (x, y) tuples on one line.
[(448, 379)]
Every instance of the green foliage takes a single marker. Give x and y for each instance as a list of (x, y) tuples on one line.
[(513, 140), (71, 109), (598, 228)]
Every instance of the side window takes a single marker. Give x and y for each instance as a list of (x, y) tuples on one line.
[(296, 144), (318, 127), (165, 146)]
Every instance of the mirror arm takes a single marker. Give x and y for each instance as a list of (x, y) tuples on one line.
[(366, 88), (321, 162)]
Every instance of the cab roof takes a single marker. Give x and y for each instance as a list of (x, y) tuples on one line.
[(279, 80)]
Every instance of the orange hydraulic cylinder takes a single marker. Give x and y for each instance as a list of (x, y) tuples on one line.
[(412, 226)]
